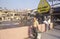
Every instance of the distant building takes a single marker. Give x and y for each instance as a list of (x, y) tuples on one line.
[(12, 15)]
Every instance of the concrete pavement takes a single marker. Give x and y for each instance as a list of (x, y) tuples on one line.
[(52, 34)]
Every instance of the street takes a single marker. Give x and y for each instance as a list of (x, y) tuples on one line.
[(51, 34)]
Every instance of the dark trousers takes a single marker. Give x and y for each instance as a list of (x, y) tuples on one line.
[(35, 33), (47, 27)]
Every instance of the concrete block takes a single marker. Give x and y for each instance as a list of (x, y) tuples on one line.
[(42, 27)]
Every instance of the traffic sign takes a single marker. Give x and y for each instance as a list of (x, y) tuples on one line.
[(43, 6)]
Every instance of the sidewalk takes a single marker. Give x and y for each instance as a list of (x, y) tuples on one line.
[(52, 34)]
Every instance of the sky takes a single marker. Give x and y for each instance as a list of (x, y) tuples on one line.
[(19, 4)]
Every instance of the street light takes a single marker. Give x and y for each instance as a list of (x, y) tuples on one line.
[(51, 11)]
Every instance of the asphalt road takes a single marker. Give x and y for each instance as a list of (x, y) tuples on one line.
[(7, 24)]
